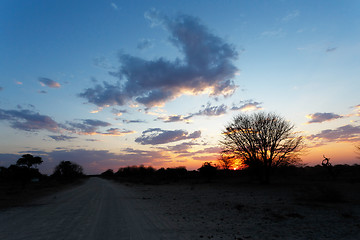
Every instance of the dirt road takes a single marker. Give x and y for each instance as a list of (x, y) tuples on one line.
[(98, 209)]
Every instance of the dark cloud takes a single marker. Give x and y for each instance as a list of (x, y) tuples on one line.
[(49, 83), (144, 44), (155, 136), (347, 133), (61, 137), (207, 64), (86, 126), (322, 117), (42, 92), (28, 120), (248, 105)]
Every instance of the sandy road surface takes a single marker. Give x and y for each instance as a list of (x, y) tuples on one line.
[(98, 209)]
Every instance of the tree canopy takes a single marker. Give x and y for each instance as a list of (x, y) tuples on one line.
[(261, 140), (29, 160)]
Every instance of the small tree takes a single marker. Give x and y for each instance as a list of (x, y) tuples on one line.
[(262, 140), (29, 160)]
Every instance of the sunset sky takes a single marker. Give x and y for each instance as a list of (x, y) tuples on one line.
[(108, 83)]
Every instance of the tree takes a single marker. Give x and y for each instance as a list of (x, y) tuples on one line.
[(68, 170), (29, 160), (262, 141)]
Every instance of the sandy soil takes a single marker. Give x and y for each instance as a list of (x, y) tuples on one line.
[(98, 209), (252, 211), (101, 209)]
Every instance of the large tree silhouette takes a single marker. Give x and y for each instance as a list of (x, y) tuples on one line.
[(261, 141)]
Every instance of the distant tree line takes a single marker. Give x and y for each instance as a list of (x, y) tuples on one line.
[(25, 170)]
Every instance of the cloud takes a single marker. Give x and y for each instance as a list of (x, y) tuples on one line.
[(114, 6), (182, 147), (86, 126), (118, 112), (207, 66), (155, 136), (291, 16), (1, 88), (28, 120), (174, 118), (248, 105), (49, 83), (117, 132), (322, 117), (42, 92), (61, 137), (208, 110), (144, 44), (331, 49), (212, 110), (133, 121), (347, 133)]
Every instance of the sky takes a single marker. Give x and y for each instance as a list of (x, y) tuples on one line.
[(111, 83)]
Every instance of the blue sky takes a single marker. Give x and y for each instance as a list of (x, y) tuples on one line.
[(116, 83)]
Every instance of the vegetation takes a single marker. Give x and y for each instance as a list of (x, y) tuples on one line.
[(67, 170), (261, 141), (29, 160)]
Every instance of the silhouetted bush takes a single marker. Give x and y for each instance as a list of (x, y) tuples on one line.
[(67, 171), (208, 170)]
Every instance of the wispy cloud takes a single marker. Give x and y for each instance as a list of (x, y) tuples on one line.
[(155, 136), (273, 33), (49, 83), (117, 132), (133, 121), (207, 67), (322, 117), (331, 49), (347, 133), (85, 126), (61, 137), (174, 118), (248, 105), (118, 112), (292, 15), (114, 6), (182, 147), (28, 120), (209, 110)]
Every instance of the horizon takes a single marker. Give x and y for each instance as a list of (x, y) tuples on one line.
[(115, 84)]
